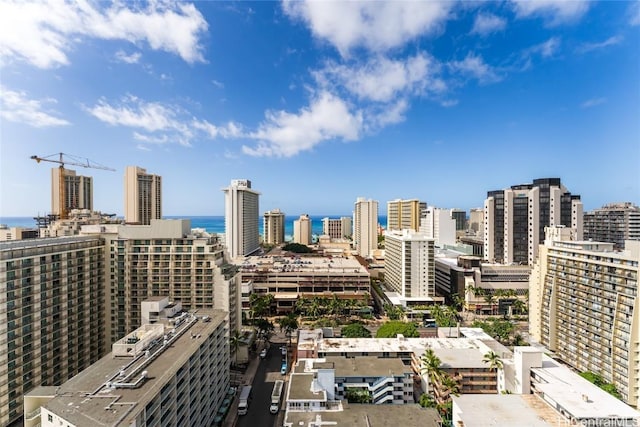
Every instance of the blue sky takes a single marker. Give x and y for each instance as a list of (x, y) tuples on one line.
[(319, 103)]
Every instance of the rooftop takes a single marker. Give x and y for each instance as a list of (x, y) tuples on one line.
[(486, 410), (366, 366), (359, 415), (577, 396), (306, 264), (300, 388), (84, 399)]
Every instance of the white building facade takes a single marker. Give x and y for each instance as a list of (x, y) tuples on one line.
[(365, 226), (410, 264), (241, 218), (438, 224)]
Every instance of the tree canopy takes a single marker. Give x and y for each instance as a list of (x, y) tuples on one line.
[(394, 327), (600, 382), (355, 330), (297, 248)]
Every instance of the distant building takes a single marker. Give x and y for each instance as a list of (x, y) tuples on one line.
[(515, 218), (476, 220), (365, 226), (404, 214), (302, 230), (78, 191), (409, 265), (273, 227), (175, 373), (337, 228), (77, 218), (53, 307), (584, 306), (438, 224), (142, 196), (460, 216), (17, 233), (241, 218), (613, 223)]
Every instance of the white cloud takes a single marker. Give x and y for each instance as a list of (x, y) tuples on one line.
[(449, 103), (487, 23), (474, 66), (382, 79), (161, 123), (556, 12), (546, 49), (593, 102), (387, 115), (634, 13), (588, 47), (285, 134), (217, 84), (17, 107), (375, 25), (122, 56), (43, 32)]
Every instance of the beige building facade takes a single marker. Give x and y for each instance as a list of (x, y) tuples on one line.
[(302, 230), (142, 196), (404, 214), (78, 191), (365, 226), (273, 227), (241, 216)]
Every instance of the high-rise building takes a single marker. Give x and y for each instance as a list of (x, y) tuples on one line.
[(337, 228), (613, 223), (165, 259), (438, 224), (365, 226), (52, 314), (515, 218), (584, 306), (460, 217), (476, 220), (409, 265), (273, 227), (78, 191), (241, 218), (173, 374), (302, 230), (142, 196), (404, 214)]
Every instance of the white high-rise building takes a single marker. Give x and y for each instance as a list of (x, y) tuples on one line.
[(302, 230), (241, 218), (410, 264), (273, 227), (438, 224), (78, 191), (365, 226), (142, 196)]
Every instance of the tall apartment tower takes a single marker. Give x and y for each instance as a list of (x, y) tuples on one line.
[(476, 220), (410, 264), (78, 191), (438, 224), (273, 227), (241, 218), (613, 223), (52, 314), (404, 214), (365, 226), (515, 218), (142, 196), (302, 230), (584, 306), (337, 228)]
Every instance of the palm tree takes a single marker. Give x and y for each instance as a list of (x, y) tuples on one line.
[(302, 305), (234, 342), (495, 363), (448, 386), (289, 324), (489, 299), (430, 366), (519, 306)]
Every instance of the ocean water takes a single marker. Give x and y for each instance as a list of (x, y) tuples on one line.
[(213, 224)]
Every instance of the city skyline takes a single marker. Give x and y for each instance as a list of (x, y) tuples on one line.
[(441, 102)]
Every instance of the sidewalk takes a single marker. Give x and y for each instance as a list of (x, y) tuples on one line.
[(247, 379)]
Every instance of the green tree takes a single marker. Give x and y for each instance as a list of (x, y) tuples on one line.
[(431, 367), (394, 327), (519, 307), (427, 401), (265, 329), (288, 324), (357, 395), (297, 248), (234, 342), (600, 382), (393, 312), (355, 330)]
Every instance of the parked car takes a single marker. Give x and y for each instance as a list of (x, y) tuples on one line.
[(263, 353)]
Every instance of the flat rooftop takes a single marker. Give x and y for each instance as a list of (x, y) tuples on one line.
[(82, 399), (360, 415), (580, 398), (300, 388), (44, 242), (486, 410), (365, 366), (304, 264)]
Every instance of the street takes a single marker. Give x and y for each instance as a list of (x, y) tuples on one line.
[(268, 371)]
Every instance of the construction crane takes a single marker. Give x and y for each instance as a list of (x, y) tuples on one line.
[(69, 160)]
